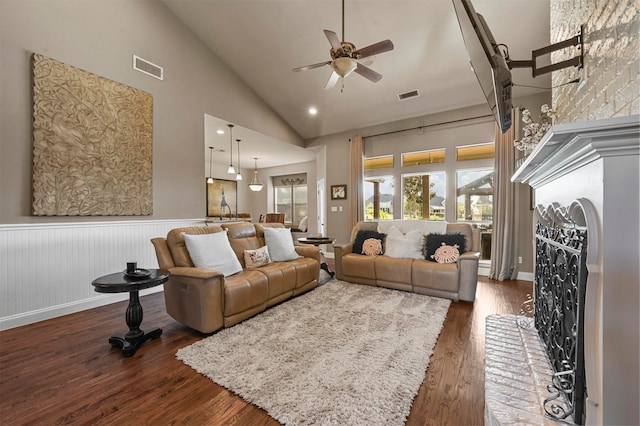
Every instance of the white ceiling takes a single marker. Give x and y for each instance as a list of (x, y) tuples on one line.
[(263, 40)]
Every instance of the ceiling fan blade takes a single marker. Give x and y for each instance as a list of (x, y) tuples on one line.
[(309, 67), (333, 39), (332, 81), (374, 49), (368, 73)]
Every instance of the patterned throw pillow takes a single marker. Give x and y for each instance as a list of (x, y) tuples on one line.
[(362, 236), (256, 258), (435, 241), (446, 254), (372, 246)]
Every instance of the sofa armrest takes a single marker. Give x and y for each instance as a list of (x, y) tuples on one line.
[(309, 251), (195, 297), (339, 250), (468, 275)]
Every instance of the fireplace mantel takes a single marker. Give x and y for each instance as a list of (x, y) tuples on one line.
[(599, 161), (568, 147)]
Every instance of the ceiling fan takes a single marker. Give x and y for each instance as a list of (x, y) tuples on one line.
[(345, 56)]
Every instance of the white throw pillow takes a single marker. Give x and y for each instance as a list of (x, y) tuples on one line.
[(280, 244), (404, 246), (213, 251), (304, 223)]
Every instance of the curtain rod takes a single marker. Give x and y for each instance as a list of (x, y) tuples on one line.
[(428, 125)]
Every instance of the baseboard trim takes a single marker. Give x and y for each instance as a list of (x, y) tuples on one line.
[(526, 276), (485, 266), (50, 312)]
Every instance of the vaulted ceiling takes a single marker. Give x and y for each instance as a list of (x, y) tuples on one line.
[(263, 40)]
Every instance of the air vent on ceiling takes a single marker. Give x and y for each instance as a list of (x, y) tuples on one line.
[(408, 95), (147, 67)]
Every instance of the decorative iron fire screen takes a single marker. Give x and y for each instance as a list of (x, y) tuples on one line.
[(560, 285)]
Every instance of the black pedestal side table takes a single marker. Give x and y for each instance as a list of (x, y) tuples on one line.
[(120, 282), (319, 241)]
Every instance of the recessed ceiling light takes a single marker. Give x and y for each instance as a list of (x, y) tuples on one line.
[(313, 110), (220, 132)]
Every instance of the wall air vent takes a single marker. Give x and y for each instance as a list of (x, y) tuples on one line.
[(408, 95), (147, 67)]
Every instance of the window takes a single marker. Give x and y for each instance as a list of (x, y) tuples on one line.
[(375, 163), (414, 189), (291, 198), (424, 157), (475, 152), (475, 196), (378, 198)]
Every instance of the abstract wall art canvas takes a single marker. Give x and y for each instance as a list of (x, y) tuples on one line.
[(92, 144)]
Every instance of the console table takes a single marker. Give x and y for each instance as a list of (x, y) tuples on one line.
[(119, 282)]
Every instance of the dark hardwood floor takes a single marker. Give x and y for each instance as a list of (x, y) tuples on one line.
[(63, 371)]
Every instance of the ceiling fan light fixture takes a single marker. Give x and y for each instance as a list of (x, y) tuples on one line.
[(344, 66)]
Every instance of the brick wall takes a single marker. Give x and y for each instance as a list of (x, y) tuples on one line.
[(610, 80)]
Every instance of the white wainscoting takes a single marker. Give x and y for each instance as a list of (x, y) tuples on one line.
[(46, 269)]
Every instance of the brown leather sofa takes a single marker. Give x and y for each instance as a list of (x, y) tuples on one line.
[(456, 281), (205, 300)]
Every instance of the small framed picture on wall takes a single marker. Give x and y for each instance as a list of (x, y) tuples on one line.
[(338, 192)]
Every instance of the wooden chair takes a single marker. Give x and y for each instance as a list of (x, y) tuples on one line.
[(274, 218)]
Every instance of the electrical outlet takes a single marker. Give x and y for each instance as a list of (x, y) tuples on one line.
[(520, 260)]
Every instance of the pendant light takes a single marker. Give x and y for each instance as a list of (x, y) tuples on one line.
[(231, 170), (210, 178), (238, 176), (256, 183)]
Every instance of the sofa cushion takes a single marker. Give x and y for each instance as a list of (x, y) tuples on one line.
[(434, 241), (281, 277), (404, 246), (257, 257), (244, 291), (437, 276), (393, 270), (307, 270), (242, 236), (280, 244), (363, 236), (213, 251), (358, 265)]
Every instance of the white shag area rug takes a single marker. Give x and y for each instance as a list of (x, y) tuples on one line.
[(343, 354)]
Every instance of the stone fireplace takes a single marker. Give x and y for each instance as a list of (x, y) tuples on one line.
[(586, 182)]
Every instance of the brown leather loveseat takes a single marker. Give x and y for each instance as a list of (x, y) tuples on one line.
[(206, 300), (456, 281)]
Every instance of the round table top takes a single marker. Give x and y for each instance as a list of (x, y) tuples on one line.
[(119, 282), (316, 240)]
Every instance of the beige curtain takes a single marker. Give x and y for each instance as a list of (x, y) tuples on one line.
[(505, 219), (356, 186)]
